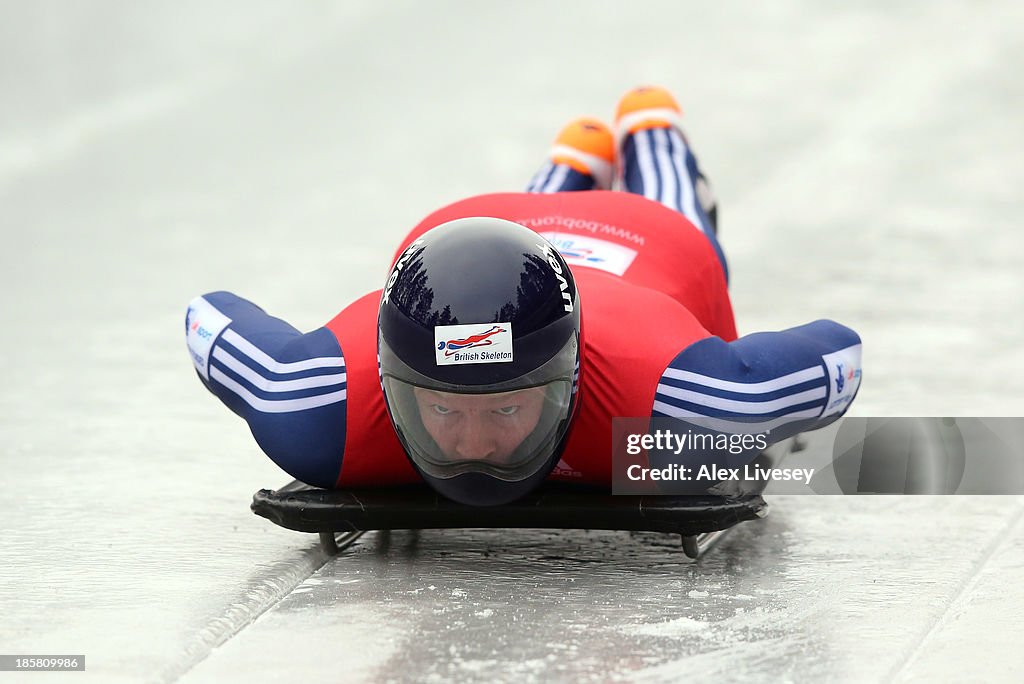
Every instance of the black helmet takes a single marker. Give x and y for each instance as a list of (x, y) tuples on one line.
[(479, 345)]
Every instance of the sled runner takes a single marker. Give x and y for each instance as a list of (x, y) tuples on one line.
[(699, 520)]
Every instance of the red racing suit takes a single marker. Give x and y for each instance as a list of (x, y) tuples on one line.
[(659, 339)]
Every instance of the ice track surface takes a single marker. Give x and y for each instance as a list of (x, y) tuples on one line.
[(867, 159)]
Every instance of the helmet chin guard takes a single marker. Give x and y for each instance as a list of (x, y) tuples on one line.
[(479, 346)]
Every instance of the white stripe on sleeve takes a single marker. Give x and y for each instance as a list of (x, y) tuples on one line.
[(262, 358), (266, 385), (726, 425), (278, 406), (773, 385), (744, 407)]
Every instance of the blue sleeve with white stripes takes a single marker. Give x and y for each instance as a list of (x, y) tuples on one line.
[(777, 382), (288, 386)]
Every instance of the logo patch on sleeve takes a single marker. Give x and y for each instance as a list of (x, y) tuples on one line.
[(203, 324), (479, 343), (844, 378)]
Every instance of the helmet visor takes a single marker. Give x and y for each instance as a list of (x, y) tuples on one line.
[(508, 434)]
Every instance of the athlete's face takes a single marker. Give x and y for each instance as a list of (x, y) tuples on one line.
[(480, 426)]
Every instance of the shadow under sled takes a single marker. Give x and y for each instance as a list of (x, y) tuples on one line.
[(699, 520)]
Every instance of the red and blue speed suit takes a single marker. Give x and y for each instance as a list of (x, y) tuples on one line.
[(659, 335)]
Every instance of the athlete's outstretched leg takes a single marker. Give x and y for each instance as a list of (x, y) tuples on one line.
[(656, 161), (582, 158)]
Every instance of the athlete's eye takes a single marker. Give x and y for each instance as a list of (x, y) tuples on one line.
[(507, 410), (441, 410)]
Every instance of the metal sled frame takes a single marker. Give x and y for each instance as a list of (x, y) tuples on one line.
[(699, 520)]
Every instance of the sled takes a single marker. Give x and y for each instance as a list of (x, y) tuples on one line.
[(340, 516)]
